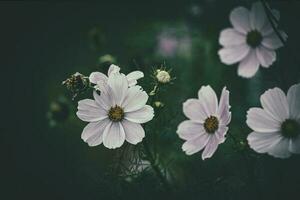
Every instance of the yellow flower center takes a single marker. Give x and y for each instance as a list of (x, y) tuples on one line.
[(211, 124), (116, 113)]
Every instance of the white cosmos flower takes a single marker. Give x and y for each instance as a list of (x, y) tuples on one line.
[(100, 78), (116, 115), (207, 124), (251, 42), (276, 126)]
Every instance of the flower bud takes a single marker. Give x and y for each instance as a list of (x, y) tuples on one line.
[(158, 104), (163, 76)]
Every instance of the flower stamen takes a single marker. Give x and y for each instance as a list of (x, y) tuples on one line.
[(290, 128), (254, 38), (116, 113), (211, 124)]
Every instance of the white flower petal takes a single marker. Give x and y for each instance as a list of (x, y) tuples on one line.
[(194, 110), (113, 135), (89, 111), (280, 149), (239, 18), (113, 69), (272, 41), (97, 76), (249, 65), (275, 103), (119, 85), (134, 133), (260, 121), (265, 56), (189, 130), (103, 100), (93, 132), (258, 17), (221, 132), (210, 147), (234, 54), (231, 37), (223, 110), (133, 76), (295, 145), (262, 142), (208, 98), (135, 99), (140, 116), (193, 146), (293, 97)]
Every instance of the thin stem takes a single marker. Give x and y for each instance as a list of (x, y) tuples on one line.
[(271, 19), (154, 166)]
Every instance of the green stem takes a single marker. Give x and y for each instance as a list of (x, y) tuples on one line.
[(271, 19), (154, 166)]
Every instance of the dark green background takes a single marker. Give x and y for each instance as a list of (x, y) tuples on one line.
[(43, 43)]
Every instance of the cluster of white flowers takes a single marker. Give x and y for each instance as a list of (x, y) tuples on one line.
[(117, 113)]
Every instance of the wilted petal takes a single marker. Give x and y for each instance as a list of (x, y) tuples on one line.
[(249, 65), (134, 133), (239, 18), (140, 116), (189, 130), (234, 54), (275, 103), (260, 121), (113, 135), (231, 37)]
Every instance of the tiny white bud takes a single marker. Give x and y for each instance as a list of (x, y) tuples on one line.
[(163, 76), (158, 104)]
